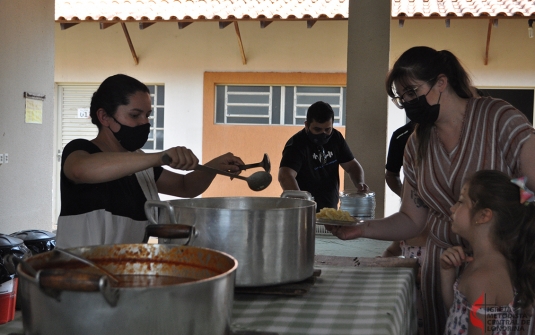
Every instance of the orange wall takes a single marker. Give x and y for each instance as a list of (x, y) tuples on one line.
[(250, 142)]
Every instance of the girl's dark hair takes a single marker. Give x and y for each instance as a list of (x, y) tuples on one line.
[(112, 93), (426, 64), (514, 227)]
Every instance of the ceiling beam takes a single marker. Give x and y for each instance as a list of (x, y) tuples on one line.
[(182, 25), (104, 25), (144, 25), (224, 24), (64, 26), (264, 24), (127, 35), (487, 48), (240, 44)]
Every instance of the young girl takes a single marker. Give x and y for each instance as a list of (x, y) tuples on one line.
[(496, 216)]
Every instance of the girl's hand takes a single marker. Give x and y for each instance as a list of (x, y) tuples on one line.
[(454, 257)]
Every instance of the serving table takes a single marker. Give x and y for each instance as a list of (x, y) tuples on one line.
[(350, 296)]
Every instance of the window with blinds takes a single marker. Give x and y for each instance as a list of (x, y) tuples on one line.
[(74, 103)]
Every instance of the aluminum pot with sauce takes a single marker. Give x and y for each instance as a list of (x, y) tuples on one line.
[(161, 289)]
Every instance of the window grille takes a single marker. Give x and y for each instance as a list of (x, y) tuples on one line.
[(275, 105), (155, 140)]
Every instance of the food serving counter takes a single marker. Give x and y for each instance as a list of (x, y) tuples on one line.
[(345, 299)]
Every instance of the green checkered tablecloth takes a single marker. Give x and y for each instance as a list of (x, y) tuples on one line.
[(344, 301)]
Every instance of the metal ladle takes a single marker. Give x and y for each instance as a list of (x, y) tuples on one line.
[(265, 164), (257, 181)]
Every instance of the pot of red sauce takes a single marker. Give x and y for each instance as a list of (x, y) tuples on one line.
[(151, 289)]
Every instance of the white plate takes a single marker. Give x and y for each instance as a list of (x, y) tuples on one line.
[(328, 222)]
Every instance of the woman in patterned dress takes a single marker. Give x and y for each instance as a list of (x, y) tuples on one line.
[(456, 135)]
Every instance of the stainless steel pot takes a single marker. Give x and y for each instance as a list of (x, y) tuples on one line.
[(359, 204), (272, 238), (52, 305)]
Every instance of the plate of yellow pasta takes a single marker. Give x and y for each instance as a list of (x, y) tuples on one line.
[(335, 217)]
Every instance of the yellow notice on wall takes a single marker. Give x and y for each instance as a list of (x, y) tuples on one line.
[(34, 111)]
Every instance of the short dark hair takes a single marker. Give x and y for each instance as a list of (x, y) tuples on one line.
[(112, 93), (320, 112)]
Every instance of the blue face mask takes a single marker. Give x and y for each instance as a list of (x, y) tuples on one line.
[(132, 138)]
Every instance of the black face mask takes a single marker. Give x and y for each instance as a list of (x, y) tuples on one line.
[(319, 139), (420, 111), (132, 138)]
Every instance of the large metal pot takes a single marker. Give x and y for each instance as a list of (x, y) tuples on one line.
[(272, 238), (53, 305)]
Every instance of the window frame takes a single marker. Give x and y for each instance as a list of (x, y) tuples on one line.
[(154, 117), (285, 104)]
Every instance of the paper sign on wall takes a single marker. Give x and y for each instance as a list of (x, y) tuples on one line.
[(34, 111), (83, 113)]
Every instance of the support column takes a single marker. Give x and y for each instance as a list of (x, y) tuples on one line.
[(367, 102)]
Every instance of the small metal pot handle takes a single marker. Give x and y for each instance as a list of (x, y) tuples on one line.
[(53, 281), (297, 194), (169, 231), (171, 213), (162, 204)]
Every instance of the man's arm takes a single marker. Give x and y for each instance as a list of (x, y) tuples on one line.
[(287, 179), (356, 173), (393, 181)]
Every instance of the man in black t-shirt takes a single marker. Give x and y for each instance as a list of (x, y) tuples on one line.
[(394, 159), (312, 157)]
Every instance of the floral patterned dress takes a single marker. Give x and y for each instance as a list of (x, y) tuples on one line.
[(501, 320)]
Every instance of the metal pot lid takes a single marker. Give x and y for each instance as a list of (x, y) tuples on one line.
[(7, 241), (34, 235)]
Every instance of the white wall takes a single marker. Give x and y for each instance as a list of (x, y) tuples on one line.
[(511, 55), (26, 65), (178, 59)]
